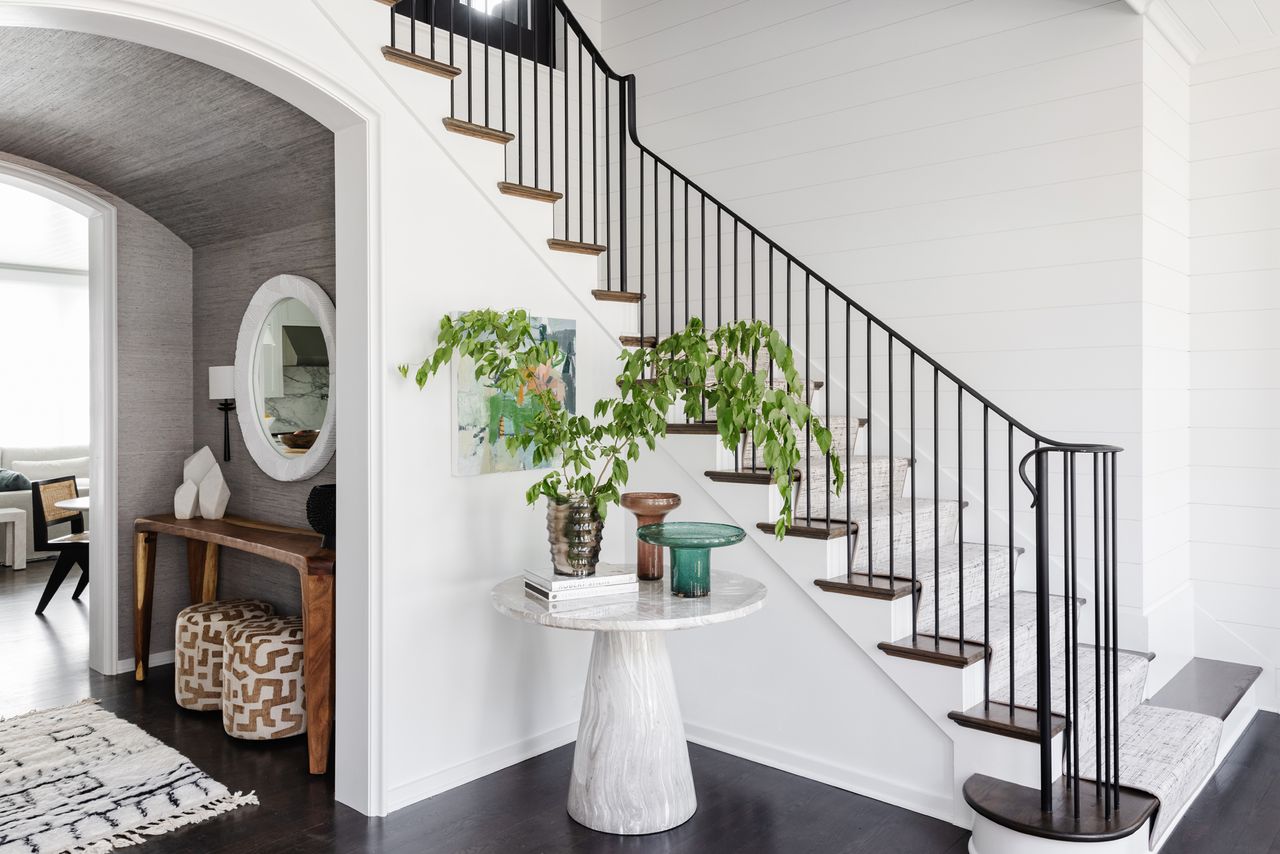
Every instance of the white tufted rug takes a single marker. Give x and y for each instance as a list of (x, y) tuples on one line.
[(79, 779)]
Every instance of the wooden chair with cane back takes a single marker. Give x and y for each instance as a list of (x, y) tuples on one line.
[(73, 547)]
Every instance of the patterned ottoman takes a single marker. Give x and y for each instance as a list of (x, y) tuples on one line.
[(198, 637), (262, 694)]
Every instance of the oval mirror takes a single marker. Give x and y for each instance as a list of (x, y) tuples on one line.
[(284, 365)]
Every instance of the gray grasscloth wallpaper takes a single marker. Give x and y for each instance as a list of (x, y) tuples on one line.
[(226, 277)]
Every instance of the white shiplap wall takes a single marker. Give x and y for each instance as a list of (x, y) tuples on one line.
[(1235, 360), (1167, 598), (970, 172)]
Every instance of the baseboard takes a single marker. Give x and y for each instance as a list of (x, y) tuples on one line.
[(404, 794), (156, 659), (844, 777)]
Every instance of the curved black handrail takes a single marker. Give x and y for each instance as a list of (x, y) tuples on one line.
[(629, 81)]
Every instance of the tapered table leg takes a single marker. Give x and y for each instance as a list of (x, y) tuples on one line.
[(317, 667), (202, 570), (144, 585), (631, 763)]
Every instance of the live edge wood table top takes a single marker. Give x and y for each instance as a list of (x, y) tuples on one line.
[(295, 547)]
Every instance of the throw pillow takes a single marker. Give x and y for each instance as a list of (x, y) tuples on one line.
[(14, 481)]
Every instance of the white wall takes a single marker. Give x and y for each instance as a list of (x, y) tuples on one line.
[(1235, 366), (1166, 616)]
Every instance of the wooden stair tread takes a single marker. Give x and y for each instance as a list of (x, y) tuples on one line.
[(746, 475), (421, 63), (523, 191), (647, 341), (1018, 808), (617, 296), (1208, 687), (944, 651), (478, 131), (692, 428), (815, 532), (877, 587), (577, 247), (997, 719)]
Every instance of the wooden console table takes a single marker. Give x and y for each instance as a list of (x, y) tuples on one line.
[(295, 547)]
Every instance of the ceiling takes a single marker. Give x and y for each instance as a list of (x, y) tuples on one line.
[(210, 156), (1205, 30)]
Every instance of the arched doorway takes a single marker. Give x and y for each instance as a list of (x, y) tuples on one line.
[(309, 88)]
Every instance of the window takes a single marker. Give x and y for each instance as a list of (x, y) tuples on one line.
[(521, 27)]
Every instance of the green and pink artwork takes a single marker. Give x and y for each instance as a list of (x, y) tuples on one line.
[(484, 415)]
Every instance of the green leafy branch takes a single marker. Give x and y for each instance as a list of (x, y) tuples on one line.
[(744, 372)]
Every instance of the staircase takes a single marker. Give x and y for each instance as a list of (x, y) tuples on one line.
[(975, 560)]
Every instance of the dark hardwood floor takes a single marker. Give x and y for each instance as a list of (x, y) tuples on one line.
[(742, 806)]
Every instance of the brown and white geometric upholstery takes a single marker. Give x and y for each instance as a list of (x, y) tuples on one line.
[(262, 689), (198, 639)]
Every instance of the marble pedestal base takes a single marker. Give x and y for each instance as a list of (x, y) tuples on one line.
[(631, 763)]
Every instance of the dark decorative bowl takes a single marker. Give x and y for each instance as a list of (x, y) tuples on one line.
[(299, 440), (322, 511)]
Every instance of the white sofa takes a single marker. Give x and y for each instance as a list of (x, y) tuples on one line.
[(13, 457)]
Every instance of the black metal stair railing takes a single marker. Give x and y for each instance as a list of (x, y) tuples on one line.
[(528, 68)]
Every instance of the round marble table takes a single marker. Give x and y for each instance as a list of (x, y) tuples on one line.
[(631, 763)]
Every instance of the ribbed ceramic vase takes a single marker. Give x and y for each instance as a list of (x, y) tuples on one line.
[(574, 530)]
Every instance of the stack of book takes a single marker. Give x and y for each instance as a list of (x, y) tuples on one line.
[(608, 580)]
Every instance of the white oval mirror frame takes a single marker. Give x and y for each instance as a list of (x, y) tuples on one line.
[(264, 453)]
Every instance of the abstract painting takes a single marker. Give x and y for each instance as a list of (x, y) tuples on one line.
[(485, 416)]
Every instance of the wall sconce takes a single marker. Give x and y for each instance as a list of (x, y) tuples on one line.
[(222, 387)]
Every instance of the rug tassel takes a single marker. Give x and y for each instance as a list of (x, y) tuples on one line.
[(142, 834)]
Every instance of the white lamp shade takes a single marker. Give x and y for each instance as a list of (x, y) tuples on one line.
[(222, 382)]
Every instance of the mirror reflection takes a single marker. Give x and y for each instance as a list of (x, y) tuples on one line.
[(291, 383)]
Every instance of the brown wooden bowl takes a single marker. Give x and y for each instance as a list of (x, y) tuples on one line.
[(299, 440)]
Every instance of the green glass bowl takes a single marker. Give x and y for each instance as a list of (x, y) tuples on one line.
[(691, 544)]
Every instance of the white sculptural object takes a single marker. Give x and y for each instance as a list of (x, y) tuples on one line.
[(186, 501), (214, 494), (196, 466)]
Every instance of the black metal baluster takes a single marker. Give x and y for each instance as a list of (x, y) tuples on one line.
[(1013, 698), (671, 252), (1068, 736), (735, 270), (1073, 651), (771, 326), (1106, 651), (471, 18), (808, 434), (1115, 623), (595, 164), (891, 468), (826, 377), (582, 233), (870, 490), (567, 201), (1097, 628), (537, 126), (488, 31), (960, 505), (608, 195), (640, 246), (915, 595), (657, 271), (623, 211), (393, 26), (413, 26), (1044, 690), (719, 266), (937, 534), (986, 557), (685, 223), (519, 93), (849, 436), (502, 56)]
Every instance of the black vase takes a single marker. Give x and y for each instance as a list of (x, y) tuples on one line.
[(322, 511)]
